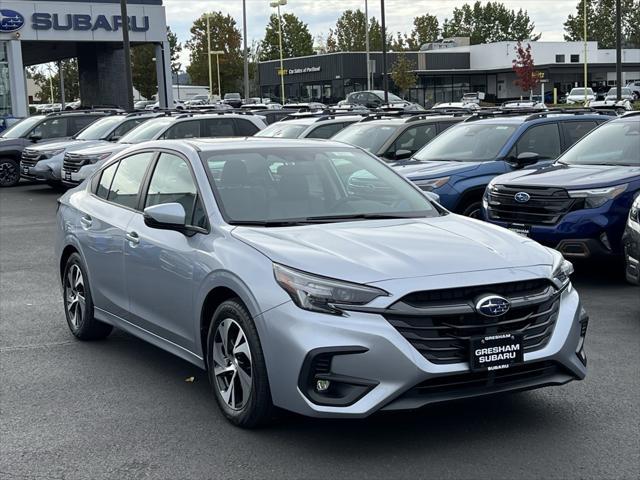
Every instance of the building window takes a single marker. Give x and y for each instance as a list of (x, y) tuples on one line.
[(5, 88), (559, 58), (575, 58)]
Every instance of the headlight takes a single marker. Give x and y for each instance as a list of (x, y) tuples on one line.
[(321, 294), (596, 197), (52, 153), (634, 213), (98, 157), (562, 271), (429, 185)]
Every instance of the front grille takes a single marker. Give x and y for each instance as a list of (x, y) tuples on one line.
[(31, 157), (545, 206), (73, 162), (440, 323)]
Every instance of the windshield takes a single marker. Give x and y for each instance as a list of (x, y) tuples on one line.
[(275, 187), (99, 129), (147, 131), (613, 91), (370, 136), (231, 96), (616, 143), (580, 91), (394, 98), (20, 129), (467, 142), (282, 130)]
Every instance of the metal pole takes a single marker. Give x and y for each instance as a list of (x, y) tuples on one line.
[(618, 52), (218, 70), (385, 79), (51, 85), (584, 16), (246, 54), (61, 75), (366, 39), (127, 54), (281, 58), (209, 55)]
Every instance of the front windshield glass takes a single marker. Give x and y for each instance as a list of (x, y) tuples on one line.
[(20, 129), (146, 131), (99, 129), (613, 91), (370, 136), (580, 91), (467, 142), (616, 143), (394, 98), (275, 186), (282, 130)]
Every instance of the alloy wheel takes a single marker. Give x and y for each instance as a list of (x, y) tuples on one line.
[(74, 294), (232, 364), (8, 173)]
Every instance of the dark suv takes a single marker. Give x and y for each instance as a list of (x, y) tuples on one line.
[(398, 137), (460, 163), (37, 129)]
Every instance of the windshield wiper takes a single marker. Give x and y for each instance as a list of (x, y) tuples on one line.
[(357, 216), (266, 223)]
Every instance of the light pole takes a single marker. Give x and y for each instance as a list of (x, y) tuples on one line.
[(217, 53), (618, 52), (366, 41), (127, 54), (385, 79), (584, 16), (209, 55), (246, 54), (277, 5)]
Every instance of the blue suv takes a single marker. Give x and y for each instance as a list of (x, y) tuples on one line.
[(579, 204), (459, 164)]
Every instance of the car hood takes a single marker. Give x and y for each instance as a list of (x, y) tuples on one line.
[(103, 147), (375, 250), (56, 144), (571, 176), (11, 142), (432, 169)]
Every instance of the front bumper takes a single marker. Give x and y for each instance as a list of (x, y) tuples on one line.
[(389, 373), (73, 179), (42, 171)]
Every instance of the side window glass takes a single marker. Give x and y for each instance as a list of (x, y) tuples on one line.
[(104, 185), (126, 182), (219, 127), (574, 131), (172, 182), (326, 131), (190, 129), (245, 128), (125, 127), (414, 138), (541, 139), (52, 128), (79, 122)]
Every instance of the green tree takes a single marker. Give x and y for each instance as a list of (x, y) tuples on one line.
[(297, 41), (225, 37), (143, 65), (601, 25), (491, 22), (350, 32), (402, 73), (71, 84), (425, 29)]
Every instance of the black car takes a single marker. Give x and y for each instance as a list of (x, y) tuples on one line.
[(273, 116), (39, 128), (233, 99), (631, 244)]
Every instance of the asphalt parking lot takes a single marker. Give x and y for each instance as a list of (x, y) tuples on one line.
[(122, 409)]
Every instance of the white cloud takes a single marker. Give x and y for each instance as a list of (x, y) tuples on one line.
[(320, 15)]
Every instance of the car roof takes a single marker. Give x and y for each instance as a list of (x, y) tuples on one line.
[(545, 117), (241, 143), (311, 119), (410, 119)]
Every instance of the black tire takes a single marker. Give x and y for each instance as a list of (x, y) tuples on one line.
[(631, 278), (9, 172), (80, 319), (472, 210), (258, 409)]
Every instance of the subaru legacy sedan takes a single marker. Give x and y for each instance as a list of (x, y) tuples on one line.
[(257, 261)]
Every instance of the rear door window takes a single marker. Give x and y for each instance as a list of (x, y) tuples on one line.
[(189, 129), (413, 139), (78, 122), (218, 127), (128, 178), (541, 139), (574, 131), (104, 185)]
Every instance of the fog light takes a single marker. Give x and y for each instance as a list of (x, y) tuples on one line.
[(322, 385)]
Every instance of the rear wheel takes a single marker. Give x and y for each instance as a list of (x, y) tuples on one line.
[(236, 366), (78, 303), (9, 172)]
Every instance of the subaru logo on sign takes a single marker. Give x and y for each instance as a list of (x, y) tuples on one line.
[(10, 21), (522, 197), (492, 306)]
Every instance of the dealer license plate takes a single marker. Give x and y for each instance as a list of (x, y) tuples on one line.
[(25, 170), (496, 352), (67, 175), (520, 228)]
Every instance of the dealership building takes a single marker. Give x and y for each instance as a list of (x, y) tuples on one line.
[(41, 31), (446, 70)]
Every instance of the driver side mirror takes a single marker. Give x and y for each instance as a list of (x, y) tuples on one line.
[(35, 138), (166, 216), (526, 158), (402, 154)]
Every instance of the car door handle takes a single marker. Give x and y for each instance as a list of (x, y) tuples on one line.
[(86, 221), (133, 238)]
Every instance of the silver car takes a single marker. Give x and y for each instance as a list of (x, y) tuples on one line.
[(255, 260)]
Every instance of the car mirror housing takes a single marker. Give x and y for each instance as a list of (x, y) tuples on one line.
[(166, 216), (35, 138), (402, 154), (525, 159)]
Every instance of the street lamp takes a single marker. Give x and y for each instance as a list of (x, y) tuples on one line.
[(277, 5), (217, 53), (366, 41), (385, 79)]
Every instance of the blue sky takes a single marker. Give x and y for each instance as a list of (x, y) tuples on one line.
[(320, 15)]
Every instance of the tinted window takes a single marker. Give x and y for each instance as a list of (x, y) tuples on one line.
[(105, 181), (126, 127), (245, 128), (326, 131), (218, 127), (77, 123), (574, 131), (126, 182), (541, 139), (190, 129), (575, 58), (283, 130), (51, 128), (172, 182), (559, 58), (414, 138)]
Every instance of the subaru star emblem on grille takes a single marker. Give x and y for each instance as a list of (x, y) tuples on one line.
[(492, 306), (522, 197), (10, 21)]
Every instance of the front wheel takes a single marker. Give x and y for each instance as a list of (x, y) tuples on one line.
[(9, 172), (473, 210), (236, 366)]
